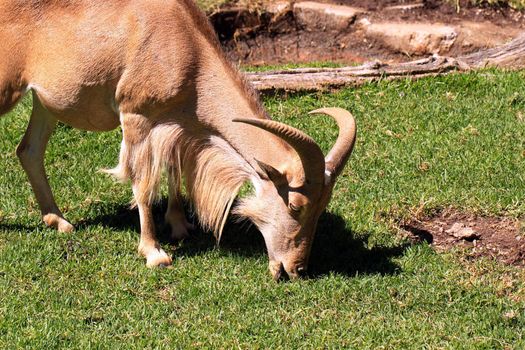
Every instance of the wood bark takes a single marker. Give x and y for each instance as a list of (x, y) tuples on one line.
[(510, 55)]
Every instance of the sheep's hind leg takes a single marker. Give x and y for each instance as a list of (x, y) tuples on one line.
[(175, 216), (31, 151)]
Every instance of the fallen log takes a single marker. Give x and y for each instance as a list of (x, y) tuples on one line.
[(510, 55)]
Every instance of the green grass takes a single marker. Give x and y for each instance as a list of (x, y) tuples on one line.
[(320, 64), (515, 4), (210, 5), (370, 289)]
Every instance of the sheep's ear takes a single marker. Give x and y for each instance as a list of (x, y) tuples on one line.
[(268, 172)]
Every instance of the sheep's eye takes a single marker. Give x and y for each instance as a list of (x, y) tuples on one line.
[(294, 208)]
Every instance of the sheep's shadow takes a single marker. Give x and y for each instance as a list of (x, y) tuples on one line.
[(339, 250), (336, 249)]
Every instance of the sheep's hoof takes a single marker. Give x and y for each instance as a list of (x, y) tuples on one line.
[(58, 222), (155, 257)]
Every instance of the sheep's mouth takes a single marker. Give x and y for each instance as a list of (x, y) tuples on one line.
[(280, 274)]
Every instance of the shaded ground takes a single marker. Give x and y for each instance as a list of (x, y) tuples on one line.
[(394, 30), (336, 249), (495, 237)]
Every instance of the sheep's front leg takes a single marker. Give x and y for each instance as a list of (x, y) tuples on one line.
[(175, 216), (149, 247), (31, 151), (136, 163)]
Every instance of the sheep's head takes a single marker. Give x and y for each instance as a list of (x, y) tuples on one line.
[(288, 202)]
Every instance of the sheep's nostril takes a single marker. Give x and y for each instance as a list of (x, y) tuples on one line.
[(280, 274), (302, 272)]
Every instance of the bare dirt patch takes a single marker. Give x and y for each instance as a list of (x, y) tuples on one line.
[(494, 237), (352, 31)]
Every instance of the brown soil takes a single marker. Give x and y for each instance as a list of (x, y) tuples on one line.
[(269, 36), (493, 237)]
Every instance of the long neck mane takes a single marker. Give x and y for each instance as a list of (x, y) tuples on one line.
[(214, 172)]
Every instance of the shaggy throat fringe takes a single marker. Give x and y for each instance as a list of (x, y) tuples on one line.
[(213, 171)]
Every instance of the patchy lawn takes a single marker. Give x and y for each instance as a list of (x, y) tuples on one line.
[(425, 146)]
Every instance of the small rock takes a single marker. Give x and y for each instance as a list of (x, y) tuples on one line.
[(455, 228), (424, 166), (364, 22), (509, 315), (459, 231), (279, 8)]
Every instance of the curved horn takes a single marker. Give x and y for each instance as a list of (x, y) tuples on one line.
[(309, 152), (340, 152)]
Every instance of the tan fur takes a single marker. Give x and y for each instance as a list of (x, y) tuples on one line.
[(214, 172), (156, 68)]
